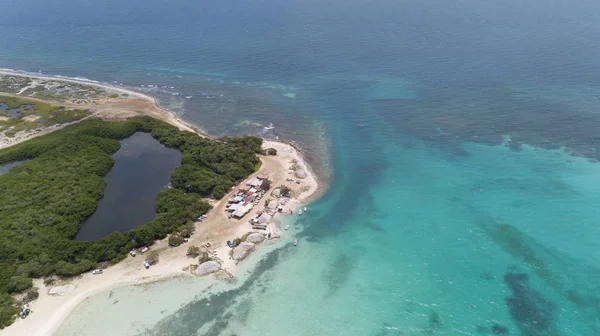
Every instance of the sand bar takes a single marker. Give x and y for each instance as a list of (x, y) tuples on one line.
[(48, 311)]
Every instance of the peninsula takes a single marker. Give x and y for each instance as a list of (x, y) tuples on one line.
[(66, 130)]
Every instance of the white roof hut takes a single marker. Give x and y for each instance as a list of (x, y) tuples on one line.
[(234, 207), (265, 218), (255, 182), (241, 212)]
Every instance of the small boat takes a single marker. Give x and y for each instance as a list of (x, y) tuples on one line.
[(295, 242), (287, 227), (299, 212), (304, 209)]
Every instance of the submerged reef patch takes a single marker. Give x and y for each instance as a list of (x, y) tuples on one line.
[(532, 313)]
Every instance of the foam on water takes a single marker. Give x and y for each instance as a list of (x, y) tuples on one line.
[(423, 231), (427, 255)]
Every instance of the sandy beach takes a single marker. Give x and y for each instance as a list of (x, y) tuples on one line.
[(48, 311)]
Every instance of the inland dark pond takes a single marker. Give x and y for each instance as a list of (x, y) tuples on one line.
[(142, 168)]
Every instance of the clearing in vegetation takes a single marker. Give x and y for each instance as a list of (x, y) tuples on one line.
[(18, 114)]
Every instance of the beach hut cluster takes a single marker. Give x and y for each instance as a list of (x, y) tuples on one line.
[(263, 217), (247, 197), (251, 194)]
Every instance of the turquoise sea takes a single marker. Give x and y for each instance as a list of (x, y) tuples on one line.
[(459, 142)]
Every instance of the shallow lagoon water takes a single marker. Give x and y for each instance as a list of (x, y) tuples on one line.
[(6, 167), (142, 168), (438, 250), (431, 226)]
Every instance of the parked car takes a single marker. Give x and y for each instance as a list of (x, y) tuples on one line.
[(229, 243), (97, 271), (132, 253), (146, 264), (25, 313)]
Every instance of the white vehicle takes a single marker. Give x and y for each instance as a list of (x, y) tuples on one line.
[(97, 271), (132, 253), (287, 227), (146, 264)]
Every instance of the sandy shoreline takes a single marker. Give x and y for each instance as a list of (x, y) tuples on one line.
[(130, 103), (49, 311)]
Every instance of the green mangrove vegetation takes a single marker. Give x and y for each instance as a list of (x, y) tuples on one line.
[(44, 201)]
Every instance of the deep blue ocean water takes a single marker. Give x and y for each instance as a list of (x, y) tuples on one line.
[(459, 140)]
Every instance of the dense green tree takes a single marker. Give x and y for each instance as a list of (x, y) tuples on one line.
[(31, 295), (152, 257), (187, 229), (285, 190), (8, 310), (19, 283), (203, 257), (175, 240), (193, 251), (265, 185), (44, 201)]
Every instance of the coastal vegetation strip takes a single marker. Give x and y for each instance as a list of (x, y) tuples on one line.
[(19, 114), (44, 201), (48, 88)]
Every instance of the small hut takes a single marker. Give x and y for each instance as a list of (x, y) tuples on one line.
[(265, 218)]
